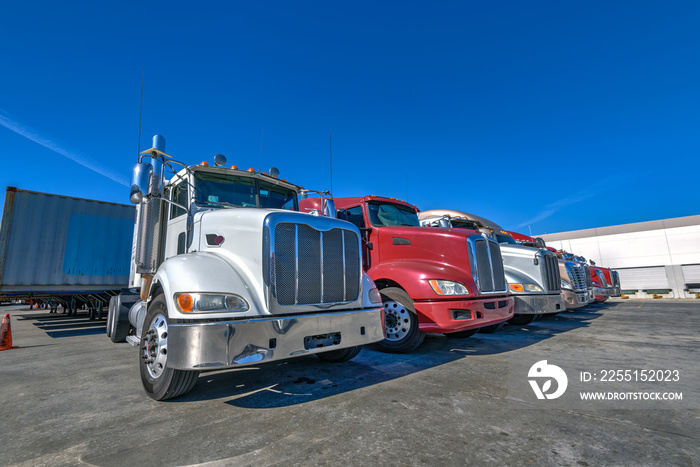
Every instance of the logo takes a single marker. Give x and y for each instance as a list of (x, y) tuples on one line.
[(541, 370)]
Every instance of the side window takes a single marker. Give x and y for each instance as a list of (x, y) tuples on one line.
[(355, 216), (179, 196)]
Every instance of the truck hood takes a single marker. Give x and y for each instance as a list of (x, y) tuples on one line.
[(411, 243)]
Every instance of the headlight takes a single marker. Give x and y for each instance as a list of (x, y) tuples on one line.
[(210, 303), (566, 285), (526, 287), (441, 287)]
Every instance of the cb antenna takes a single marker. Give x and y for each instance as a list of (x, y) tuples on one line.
[(143, 73), (330, 147)]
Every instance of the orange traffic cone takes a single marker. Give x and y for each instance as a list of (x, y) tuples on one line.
[(6, 334)]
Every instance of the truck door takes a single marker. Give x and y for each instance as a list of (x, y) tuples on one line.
[(176, 231), (356, 216)]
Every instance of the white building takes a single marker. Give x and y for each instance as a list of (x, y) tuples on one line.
[(651, 257)]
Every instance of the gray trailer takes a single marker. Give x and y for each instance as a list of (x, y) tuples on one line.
[(60, 250)]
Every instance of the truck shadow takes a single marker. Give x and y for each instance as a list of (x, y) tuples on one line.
[(59, 325), (305, 379)]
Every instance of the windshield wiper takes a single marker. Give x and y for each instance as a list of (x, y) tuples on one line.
[(220, 203)]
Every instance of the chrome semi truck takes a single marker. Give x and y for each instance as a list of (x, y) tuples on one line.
[(225, 272), (532, 274), (575, 277)]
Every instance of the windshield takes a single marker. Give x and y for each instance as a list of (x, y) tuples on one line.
[(500, 238), (222, 189), (464, 224), (392, 215)]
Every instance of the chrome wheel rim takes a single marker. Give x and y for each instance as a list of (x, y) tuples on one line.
[(154, 348), (397, 320)]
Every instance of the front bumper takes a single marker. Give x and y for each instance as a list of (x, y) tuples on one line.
[(599, 294), (461, 315), (220, 345), (574, 300), (538, 304)]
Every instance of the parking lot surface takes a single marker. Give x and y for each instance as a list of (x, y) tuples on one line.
[(69, 396)]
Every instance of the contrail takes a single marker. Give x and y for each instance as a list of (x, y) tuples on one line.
[(12, 124), (557, 206)]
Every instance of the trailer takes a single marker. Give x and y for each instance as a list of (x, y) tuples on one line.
[(59, 250)]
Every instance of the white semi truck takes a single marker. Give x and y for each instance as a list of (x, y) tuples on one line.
[(532, 274), (226, 272)]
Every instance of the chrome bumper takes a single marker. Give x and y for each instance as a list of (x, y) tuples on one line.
[(219, 345), (574, 300), (538, 304)]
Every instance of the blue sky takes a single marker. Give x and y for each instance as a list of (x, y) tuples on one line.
[(543, 116)]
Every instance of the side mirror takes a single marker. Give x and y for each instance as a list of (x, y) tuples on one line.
[(140, 180), (444, 222), (329, 208)]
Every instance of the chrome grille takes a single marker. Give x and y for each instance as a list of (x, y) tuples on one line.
[(312, 267), (601, 278), (579, 276), (615, 278), (487, 264), (589, 282), (552, 278)]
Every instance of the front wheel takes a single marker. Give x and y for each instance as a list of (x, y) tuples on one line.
[(400, 322), (491, 328), (159, 380), (462, 334), (522, 320), (339, 356)]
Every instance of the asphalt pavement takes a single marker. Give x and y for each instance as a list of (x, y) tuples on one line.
[(69, 396)]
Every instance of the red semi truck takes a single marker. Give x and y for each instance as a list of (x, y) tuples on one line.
[(446, 281)]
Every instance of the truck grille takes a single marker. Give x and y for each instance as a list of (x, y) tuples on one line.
[(312, 267), (552, 278), (615, 277), (579, 276), (589, 281), (601, 278), (487, 264)]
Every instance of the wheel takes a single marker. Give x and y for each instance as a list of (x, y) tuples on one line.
[(339, 356), (400, 322), (522, 320), (160, 381), (110, 315), (462, 334), (492, 328), (117, 320)]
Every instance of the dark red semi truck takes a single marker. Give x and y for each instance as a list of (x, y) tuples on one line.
[(436, 281)]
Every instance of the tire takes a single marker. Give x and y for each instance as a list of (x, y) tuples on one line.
[(339, 356), (462, 334), (159, 380), (492, 328), (117, 320), (522, 320), (110, 315), (400, 322)]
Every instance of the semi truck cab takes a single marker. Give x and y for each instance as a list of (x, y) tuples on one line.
[(226, 273), (449, 281), (532, 274)]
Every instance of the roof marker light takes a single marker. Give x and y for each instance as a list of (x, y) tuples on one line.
[(234, 167), (205, 163)]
